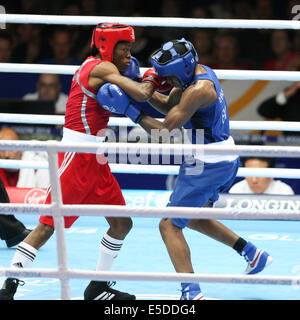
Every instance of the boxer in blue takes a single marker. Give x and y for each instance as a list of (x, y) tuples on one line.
[(195, 102)]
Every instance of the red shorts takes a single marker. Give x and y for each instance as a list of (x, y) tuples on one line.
[(84, 181)]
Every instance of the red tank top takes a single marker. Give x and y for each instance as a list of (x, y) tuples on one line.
[(83, 113)]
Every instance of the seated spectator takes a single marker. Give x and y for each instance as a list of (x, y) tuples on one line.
[(49, 88), (23, 178), (6, 47), (221, 9), (260, 185), (202, 41), (80, 35), (61, 47), (202, 12), (296, 41), (256, 54), (89, 7), (13, 85), (144, 44), (242, 9), (284, 57), (264, 10), (27, 49), (171, 8), (284, 105), (226, 53)]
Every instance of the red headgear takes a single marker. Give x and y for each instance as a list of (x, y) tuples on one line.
[(107, 35)]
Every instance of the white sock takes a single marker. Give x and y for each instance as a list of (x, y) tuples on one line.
[(24, 255), (109, 249)]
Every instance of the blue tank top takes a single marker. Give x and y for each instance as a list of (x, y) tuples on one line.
[(214, 119)]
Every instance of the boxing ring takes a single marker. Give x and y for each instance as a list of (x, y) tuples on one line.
[(277, 230)]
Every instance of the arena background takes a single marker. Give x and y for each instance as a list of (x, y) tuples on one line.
[(242, 50), (251, 49)]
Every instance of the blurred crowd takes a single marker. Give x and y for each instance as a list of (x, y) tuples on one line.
[(257, 49), (218, 48), (263, 49)]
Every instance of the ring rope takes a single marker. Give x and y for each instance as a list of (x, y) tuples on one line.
[(152, 276), (125, 122), (221, 73), (152, 21), (145, 148), (236, 213), (159, 169)]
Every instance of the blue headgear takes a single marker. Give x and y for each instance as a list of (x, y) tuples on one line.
[(181, 65)]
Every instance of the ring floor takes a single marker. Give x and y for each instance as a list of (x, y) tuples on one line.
[(144, 251)]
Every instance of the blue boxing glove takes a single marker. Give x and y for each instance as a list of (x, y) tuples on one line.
[(133, 71), (114, 99)]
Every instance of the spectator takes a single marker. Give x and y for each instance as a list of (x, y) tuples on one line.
[(27, 49), (260, 185), (49, 88), (171, 8), (61, 44), (242, 9), (81, 47), (23, 178), (12, 84), (80, 35), (222, 9), (285, 105), (61, 47), (202, 41), (144, 44), (264, 10), (6, 47), (28, 6), (226, 53), (284, 58), (89, 7), (12, 231), (201, 11), (296, 41), (253, 43)]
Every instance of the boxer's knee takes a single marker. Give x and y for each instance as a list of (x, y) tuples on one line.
[(120, 227), (165, 227)]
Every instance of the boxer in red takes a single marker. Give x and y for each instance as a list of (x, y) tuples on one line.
[(84, 180)]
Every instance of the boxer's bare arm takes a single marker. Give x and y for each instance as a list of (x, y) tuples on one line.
[(196, 97), (108, 72), (164, 103)]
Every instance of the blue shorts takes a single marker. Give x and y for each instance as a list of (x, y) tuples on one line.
[(197, 190)]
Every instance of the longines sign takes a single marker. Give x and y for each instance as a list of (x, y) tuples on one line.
[(259, 202)]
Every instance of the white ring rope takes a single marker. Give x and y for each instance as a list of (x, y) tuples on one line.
[(158, 169), (155, 148), (152, 21), (152, 276), (125, 122), (235, 213), (221, 73)]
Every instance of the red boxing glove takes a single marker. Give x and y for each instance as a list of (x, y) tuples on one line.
[(160, 83), (165, 86)]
